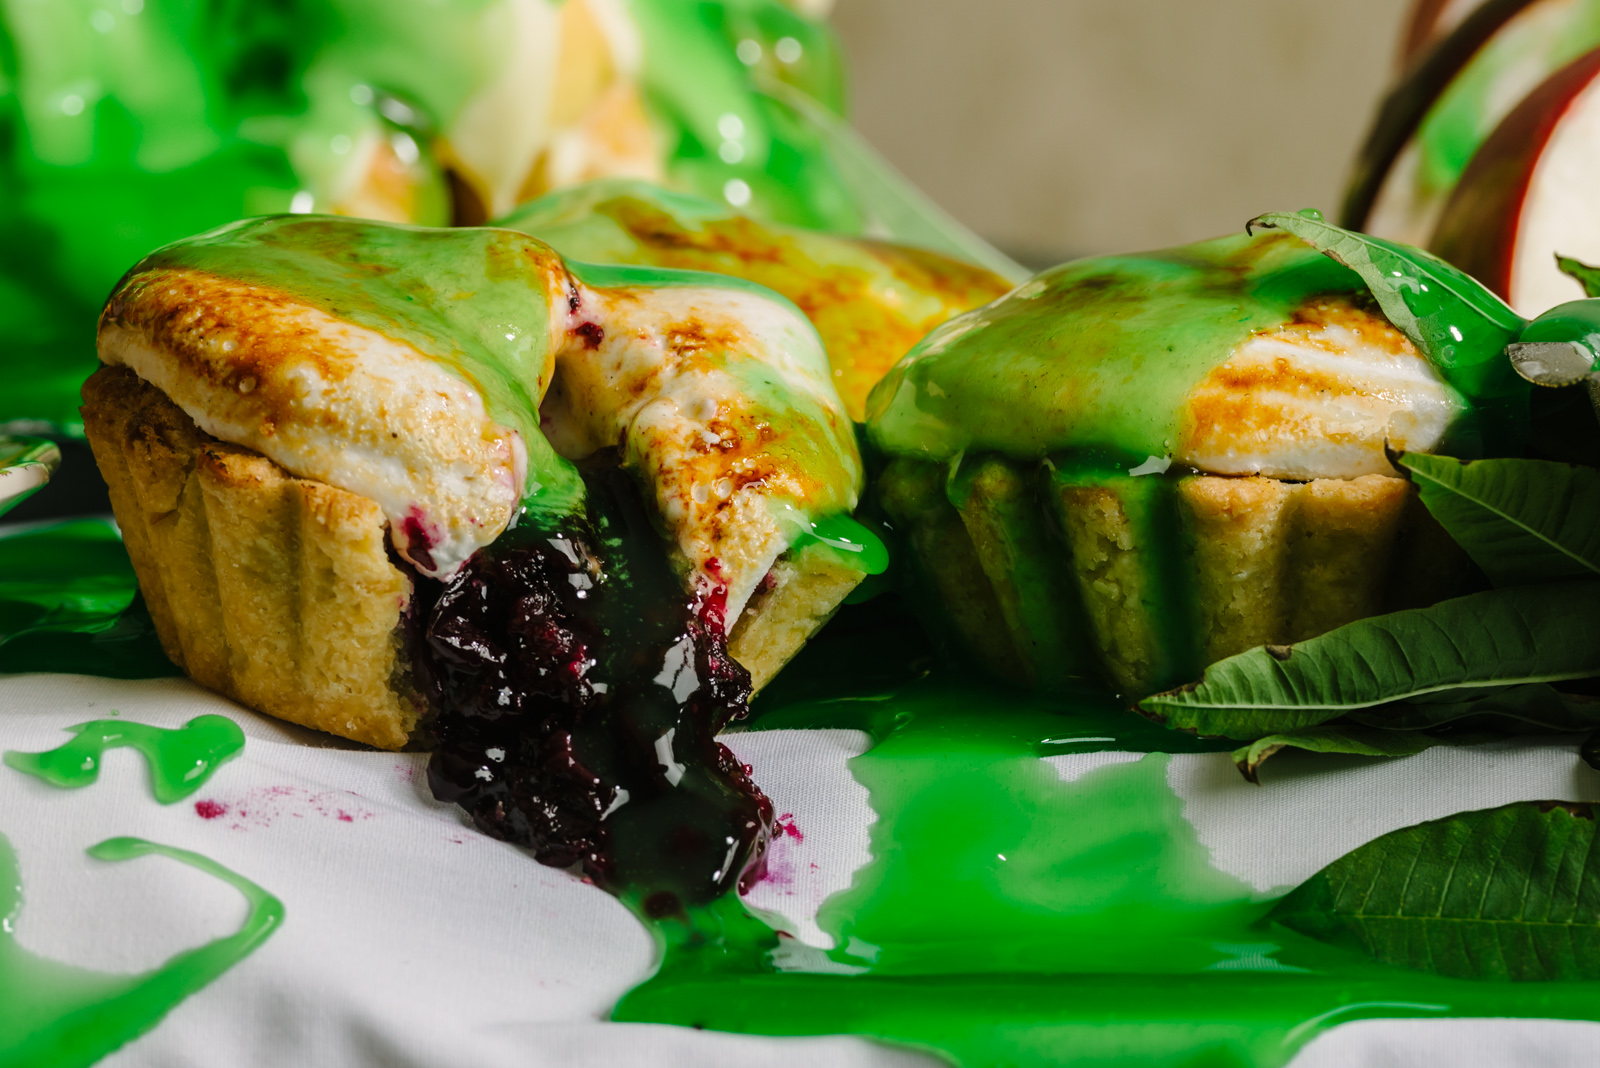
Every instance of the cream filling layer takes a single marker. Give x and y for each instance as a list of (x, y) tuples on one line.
[(1316, 400)]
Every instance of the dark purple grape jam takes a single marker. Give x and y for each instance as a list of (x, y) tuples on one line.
[(578, 691)]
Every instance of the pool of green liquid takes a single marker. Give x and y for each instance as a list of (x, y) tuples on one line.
[(1009, 917)]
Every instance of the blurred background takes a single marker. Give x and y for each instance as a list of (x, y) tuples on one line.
[(1063, 128), (1052, 128)]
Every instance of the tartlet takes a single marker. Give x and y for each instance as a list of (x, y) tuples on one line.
[(1133, 466), (284, 399)]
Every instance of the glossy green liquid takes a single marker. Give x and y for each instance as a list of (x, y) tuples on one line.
[(1008, 917), (69, 602), (58, 1015), (180, 760), (849, 540)]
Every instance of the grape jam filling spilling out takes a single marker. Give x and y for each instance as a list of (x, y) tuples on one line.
[(578, 691)]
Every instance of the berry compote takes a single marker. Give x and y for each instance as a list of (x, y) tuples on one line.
[(578, 691)]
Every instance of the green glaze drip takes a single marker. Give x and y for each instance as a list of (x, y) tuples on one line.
[(839, 534), (1163, 549), (695, 77), (181, 760), (1577, 322), (66, 1017), (1097, 354), (1560, 347), (1010, 918), (136, 125)]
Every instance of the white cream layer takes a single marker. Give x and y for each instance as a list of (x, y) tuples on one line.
[(1317, 400)]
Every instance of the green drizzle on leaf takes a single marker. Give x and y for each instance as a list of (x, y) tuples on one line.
[(1510, 893), (1460, 325), (1519, 520), (1508, 637), (1560, 347)]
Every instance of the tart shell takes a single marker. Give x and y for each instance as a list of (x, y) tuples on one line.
[(1055, 578)]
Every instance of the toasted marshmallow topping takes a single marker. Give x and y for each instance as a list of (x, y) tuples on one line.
[(327, 400), (1319, 397), (721, 402)]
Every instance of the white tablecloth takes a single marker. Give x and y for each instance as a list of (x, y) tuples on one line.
[(411, 940)]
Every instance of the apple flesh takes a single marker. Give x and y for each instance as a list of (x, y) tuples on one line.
[(1530, 194)]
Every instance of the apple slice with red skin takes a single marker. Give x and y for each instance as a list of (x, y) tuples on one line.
[(1402, 112), (1530, 194)]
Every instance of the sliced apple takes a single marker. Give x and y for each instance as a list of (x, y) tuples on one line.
[(1529, 194), (1451, 100)]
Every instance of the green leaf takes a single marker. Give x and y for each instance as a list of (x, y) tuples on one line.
[(1586, 276), (69, 602), (1508, 637), (1468, 717), (1352, 741), (1457, 323), (1519, 520), (1510, 893), (1535, 708)]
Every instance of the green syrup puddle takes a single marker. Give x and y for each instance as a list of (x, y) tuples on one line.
[(59, 1015), (180, 759), (1010, 918)]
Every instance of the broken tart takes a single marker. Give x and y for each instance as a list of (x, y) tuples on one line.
[(443, 486)]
